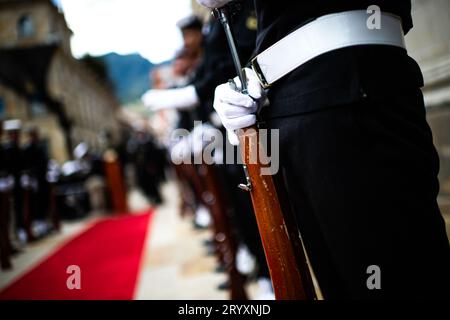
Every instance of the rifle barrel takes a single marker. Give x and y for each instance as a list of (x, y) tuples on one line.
[(286, 259)]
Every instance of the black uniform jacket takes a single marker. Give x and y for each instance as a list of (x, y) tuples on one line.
[(340, 77), (217, 65)]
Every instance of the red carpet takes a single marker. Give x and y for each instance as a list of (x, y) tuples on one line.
[(108, 254)]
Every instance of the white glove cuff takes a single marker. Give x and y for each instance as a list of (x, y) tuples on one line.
[(178, 99)]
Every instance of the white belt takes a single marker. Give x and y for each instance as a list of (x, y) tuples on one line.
[(325, 34)]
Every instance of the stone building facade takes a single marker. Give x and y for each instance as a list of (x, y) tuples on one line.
[(42, 84)]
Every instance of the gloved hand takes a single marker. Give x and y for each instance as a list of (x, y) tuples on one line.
[(237, 110), (212, 4), (179, 99)]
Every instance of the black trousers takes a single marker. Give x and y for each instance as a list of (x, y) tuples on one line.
[(18, 205), (363, 183)]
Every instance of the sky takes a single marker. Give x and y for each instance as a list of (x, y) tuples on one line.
[(147, 27)]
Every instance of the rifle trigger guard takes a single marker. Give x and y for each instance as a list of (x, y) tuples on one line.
[(248, 186)]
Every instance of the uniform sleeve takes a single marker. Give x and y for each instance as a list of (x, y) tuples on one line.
[(217, 67)]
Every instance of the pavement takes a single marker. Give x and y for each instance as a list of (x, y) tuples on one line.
[(176, 264)]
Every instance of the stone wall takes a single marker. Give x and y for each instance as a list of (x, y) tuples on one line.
[(47, 23), (87, 102)]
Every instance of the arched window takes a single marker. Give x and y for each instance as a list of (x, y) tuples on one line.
[(25, 26)]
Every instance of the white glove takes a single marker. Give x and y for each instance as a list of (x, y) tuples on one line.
[(212, 4), (179, 99), (237, 110)]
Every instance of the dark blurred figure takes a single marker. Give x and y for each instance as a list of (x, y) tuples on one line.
[(191, 30), (149, 161), (35, 166), (5, 188), (14, 165), (73, 200), (186, 62)]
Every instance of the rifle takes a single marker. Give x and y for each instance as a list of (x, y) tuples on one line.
[(227, 247), (285, 255)]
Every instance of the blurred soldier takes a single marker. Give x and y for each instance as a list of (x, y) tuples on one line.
[(148, 163), (355, 146), (183, 98), (183, 71), (14, 163), (6, 182), (191, 30), (35, 170)]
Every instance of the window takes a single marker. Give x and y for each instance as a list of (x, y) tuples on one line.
[(25, 26)]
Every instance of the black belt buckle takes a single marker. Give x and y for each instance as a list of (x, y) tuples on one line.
[(257, 68)]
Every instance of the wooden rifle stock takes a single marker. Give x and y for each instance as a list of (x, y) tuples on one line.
[(286, 259), (223, 230)]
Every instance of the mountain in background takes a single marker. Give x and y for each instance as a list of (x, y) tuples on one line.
[(128, 74)]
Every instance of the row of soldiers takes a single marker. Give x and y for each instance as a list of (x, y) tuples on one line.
[(36, 192), (139, 150), (23, 179), (202, 64)]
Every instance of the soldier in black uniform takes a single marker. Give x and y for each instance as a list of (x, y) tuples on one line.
[(35, 164), (14, 166), (357, 154), (147, 164), (5, 246)]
